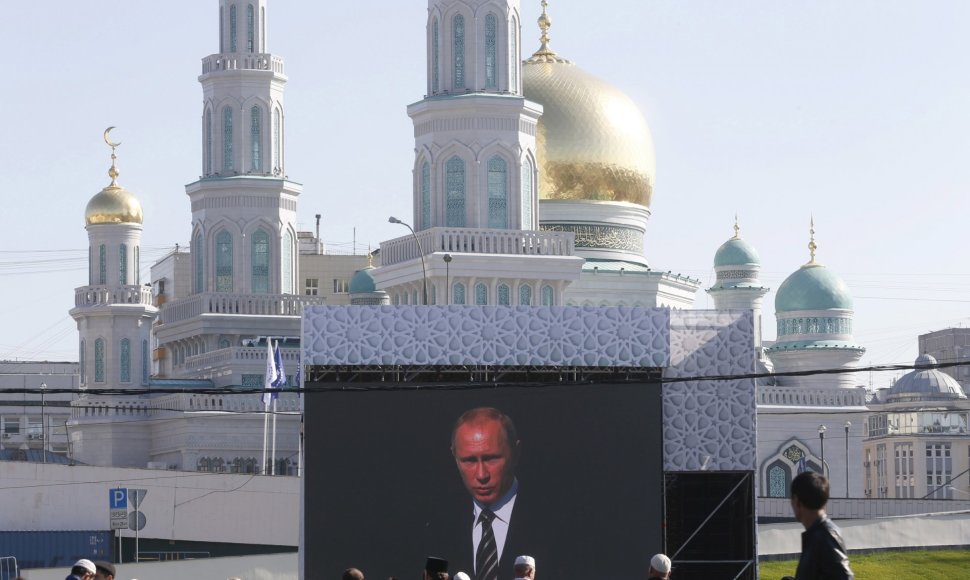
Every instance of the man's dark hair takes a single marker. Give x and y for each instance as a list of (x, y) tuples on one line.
[(79, 571), (812, 489), (490, 413), (353, 574)]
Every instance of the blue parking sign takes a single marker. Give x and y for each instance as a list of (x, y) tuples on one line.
[(118, 498)]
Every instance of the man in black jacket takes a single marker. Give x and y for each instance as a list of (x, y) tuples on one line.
[(823, 551)]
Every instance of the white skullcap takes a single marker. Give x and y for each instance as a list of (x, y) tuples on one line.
[(462, 576), (87, 565), (660, 563), (526, 561)]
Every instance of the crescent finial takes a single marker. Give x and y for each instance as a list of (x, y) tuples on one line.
[(113, 172), (108, 141)]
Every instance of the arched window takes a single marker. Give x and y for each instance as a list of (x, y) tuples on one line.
[(498, 193), (208, 142), (481, 294), (81, 362), (99, 360), (527, 171), (199, 271), (232, 28), (458, 293), (287, 263), (90, 266), (435, 51), (137, 265), (224, 343), (145, 366), (491, 50), (222, 32), (227, 164), (123, 264), (260, 261), (224, 262), (778, 480), (125, 370), (250, 29), (514, 56), (102, 265), (547, 295), (262, 28), (277, 142), (455, 169), (425, 195), (525, 295), (414, 297), (504, 295), (458, 50), (256, 135)]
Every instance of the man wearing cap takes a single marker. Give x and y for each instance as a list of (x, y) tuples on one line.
[(525, 568), (435, 569), (104, 570), (82, 570), (659, 567)]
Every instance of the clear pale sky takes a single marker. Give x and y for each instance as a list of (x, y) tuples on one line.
[(856, 112)]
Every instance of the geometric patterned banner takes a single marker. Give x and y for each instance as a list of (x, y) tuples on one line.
[(575, 336)]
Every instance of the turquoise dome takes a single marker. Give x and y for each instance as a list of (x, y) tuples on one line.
[(363, 282), (813, 287), (736, 252)]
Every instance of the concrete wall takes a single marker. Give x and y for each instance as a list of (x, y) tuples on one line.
[(271, 567)]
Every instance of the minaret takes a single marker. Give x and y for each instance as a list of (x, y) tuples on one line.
[(243, 206), (114, 311), (737, 267), (475, 134)]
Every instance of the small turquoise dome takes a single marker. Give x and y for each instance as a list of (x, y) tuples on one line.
[(813, 287), (736, 252), (363, 282)]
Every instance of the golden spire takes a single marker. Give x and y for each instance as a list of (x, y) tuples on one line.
[(812, 246), (737, 228), (545, 54), (113, 173)]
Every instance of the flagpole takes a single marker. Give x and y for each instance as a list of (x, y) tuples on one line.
[(268, 381), (273, 464)]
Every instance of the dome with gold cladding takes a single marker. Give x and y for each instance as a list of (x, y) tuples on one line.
[(593, 142), (113, 204)]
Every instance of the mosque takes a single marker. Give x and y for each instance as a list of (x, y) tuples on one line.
[(532, 185)]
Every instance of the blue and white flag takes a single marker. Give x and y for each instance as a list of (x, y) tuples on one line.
[(272, 375), (280, 371), (802, 465)]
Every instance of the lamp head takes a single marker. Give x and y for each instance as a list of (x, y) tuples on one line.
[(447, 258), (821, 429), (393, 220)]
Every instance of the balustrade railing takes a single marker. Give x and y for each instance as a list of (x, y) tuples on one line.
[(239, 355), (242, 61), (477, 241), (250, 304), (809, 397), (106, 295), (107, 409)]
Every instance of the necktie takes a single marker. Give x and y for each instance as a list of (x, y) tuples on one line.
[(486, 558)]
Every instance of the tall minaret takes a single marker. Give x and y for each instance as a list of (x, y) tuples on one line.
[(737, 267), (114, 311), (243, 206), (475, 134)]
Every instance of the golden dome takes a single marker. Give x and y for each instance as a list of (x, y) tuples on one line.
[(592, 142), (113, 204)]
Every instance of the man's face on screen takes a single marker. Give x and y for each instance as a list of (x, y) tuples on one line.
[(484, 459)]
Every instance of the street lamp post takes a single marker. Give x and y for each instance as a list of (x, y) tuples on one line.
[(847, 425), (821, 442), (447, 259), (417, 242), (43, 418)]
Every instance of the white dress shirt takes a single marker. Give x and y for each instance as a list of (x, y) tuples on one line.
[(500, 525)]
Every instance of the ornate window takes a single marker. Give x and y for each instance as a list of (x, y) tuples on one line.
[(425, 195), (90, 266), (277, 142), (227, 164), (199, 271), (287, 263), (250, 28), (498, 193), (778, 476), (514, 56), (435, 52), (547, 295), (527, 171), (490, 51), (125, 360), (260, 260), (256, 135), (481, 294), (504, 295), (232, 28), (525, 295), (208, 142), (458, 50), (103, 265), (81, 361), (224, 262), (99, 360), (123, 264), (455, 169), (145, 370), (458, 293), (137, 265)]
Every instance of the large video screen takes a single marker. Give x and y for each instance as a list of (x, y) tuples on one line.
[(571, 475)]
